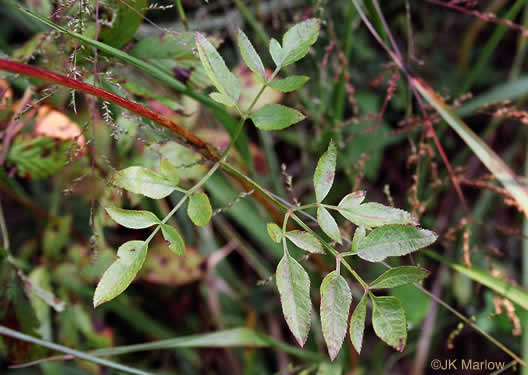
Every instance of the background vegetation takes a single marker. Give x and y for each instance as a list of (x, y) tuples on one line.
[(218, 305)]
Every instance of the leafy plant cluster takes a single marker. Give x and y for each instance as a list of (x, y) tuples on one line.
[(381, 232)]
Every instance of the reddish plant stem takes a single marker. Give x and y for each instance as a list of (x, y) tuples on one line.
[(188, 138), (205, 149)]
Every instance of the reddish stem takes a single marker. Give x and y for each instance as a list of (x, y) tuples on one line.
[(27, 70)]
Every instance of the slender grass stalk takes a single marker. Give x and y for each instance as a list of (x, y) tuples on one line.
[(63, 349)]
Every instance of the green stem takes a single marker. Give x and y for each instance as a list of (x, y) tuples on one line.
[(261, 33), (228, 167), (284, 226), (169, 215), (304, 207), (181, 13)]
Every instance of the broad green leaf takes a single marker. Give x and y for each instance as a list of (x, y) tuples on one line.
[(216, 69), (276, 52), (250, 56), (223, 99), (359, 235), (199, 209), (289, 84), (357, 324), (122, 272), (294, 289), (169, 171), (375, 215), (399, 276), (296, 41), (352, 201), (335, 305), (328, 224), (325, 172), (132, 219), (143, 181), (275, 232), (276, 117), (389, 321), (305, 241), (174, 239), (394, 240)]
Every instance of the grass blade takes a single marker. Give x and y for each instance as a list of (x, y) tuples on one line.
[(486, 155), (63, 349), (504, 288)]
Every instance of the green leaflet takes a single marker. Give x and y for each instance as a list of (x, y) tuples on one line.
[(375, 215), (305, 241), (216, 69), (294, 289), (394, 240), (143, 181), (328, 224), (335, 305), (352, 201), (131, 256), (174, 239), (131, 218), (357, 324), (359, 235), (389, 321), (296, 42), (325, 172), (276, 117), (289, 84), (275, 232), (399, 276), (250, 56), (199, 209), (169, 171)]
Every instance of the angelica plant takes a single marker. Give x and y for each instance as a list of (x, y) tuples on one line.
[(381, 232)]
